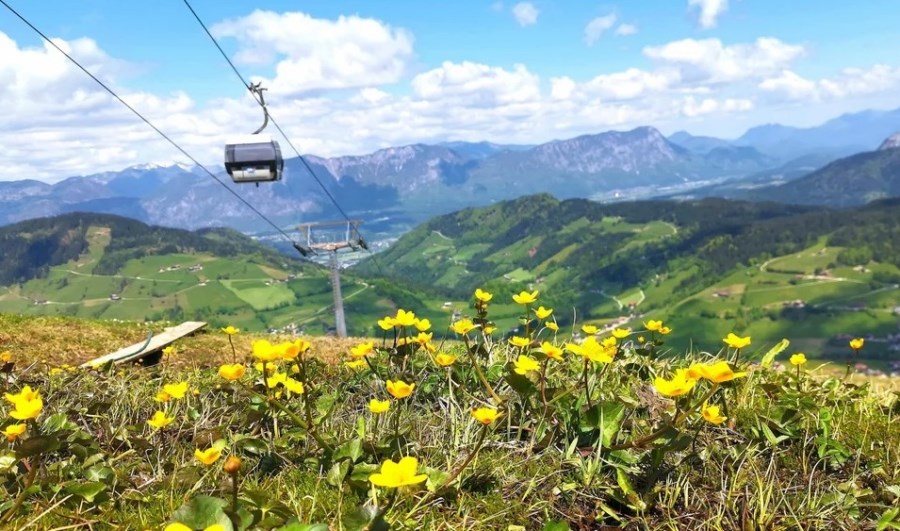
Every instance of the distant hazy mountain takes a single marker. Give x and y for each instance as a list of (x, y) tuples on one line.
[(698, 144), (846, 134), (853, 180), (480, 150)]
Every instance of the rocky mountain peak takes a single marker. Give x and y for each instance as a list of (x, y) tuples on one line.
[(891, 142)]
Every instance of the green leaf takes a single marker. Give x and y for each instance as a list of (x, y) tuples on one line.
[(366, 517), (605, 416), (769, 357), (337, 473), (7, 462), (351, 449), (88, 490), (520, 384), (202, 512), (556, 526), (252, 446), (297, 526), (37, 445), (57, 422), (889, 520)]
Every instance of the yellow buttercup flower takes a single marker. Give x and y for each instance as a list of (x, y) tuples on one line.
[(55, 370), (292, 385), (232, 371), (423, 338), (609, 342), (552, 351), (489, 329), (275, 379), (445, 360), (423, 325), (387, 323), (543, 313), (734, 341), (525, 297), (162, 396), (719, 372), (711, 414), (230, 330), (525, 364), (398, 474), (592, 350), (264, 351), (653, 326), (362, 350), (379, 406), (208, 456), (483, 296), (5, 357), (160, 420), (621, 333), (520, 342), (14, 431), (178, 526), (798, 359), (552, 326), (355, 364), (25, 395), (485, 415), (177, 390), (664, 330), (857, 343), (679, 385), (405, 318), (589, 329), (168, 351), (400, 389), (27, 409), (463, 326)]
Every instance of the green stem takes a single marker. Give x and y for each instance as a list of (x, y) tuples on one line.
[(587, 394), (480, 374), (20, 499)]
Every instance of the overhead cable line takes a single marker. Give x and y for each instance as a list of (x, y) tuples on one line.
[(248, 86), (149, 123)]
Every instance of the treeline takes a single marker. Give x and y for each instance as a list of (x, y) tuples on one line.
[(32, 247)]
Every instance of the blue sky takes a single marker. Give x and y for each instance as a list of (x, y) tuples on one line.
[(349, 77)]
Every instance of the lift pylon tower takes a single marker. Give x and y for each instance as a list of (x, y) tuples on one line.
[(350, 238)]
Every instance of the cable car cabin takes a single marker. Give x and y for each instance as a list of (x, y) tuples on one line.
[(253, 159)]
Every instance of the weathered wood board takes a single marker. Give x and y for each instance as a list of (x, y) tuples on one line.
[(144, 348)]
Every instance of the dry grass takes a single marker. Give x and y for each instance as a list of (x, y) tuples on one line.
[(65, 340)]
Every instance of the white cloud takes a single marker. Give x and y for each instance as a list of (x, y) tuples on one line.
[(562, 88), (314, 54), (595, 28), (708, 60), (525, 13), (629, 84), (626, 29), (692, 107), (710, 10), (849, 82), (478, 84)]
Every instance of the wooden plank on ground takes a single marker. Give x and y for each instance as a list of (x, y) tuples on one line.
[(143, 348)]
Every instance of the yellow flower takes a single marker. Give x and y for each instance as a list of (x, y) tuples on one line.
[(621, 333), (208, 456), (525, 297), (711, 414), (400, 389), (553, 326), (483, 296), (693, 372), (291, 349), (525, 364), (405, 318), (423, 325), (734, 341), (543, 313), (379, 406), (517, 341), (798, 359), (664, 330), (355, 364), (423, 338), (552, 351), (719, 372), (653, 326), (177, 391), (160, 420), (398, 474), (609, 342), (592, 350), (265, 351), (387, 323), (295, 369), (162, 396), (293, 385), (168, 351), (55, 370), (230, 330), (463, 326), (178, 526), (275, 379), (679, 385), (641, 339), (25, 395), (14, 431), (27, 409), (485, 415), (5, 357), (445, 360), (489, 329), (857, 343), (429, 346), (232, 372), (589, 329), (362, 350)]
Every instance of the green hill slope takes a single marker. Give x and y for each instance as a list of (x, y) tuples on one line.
[(108, 267), (709, 266)]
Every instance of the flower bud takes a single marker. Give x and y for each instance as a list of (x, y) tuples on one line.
[(232, 465)]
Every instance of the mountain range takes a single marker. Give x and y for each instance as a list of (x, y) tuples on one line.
[(401, 186)]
